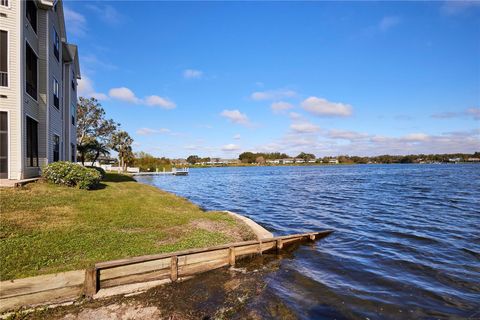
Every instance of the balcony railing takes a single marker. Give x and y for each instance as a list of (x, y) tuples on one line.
[(3, 76)]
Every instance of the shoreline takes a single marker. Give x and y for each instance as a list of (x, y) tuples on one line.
[(243, 222)]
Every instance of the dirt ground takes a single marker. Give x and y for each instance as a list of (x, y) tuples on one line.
[(236, 293)]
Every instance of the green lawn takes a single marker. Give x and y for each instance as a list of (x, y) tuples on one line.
[(47, 228)]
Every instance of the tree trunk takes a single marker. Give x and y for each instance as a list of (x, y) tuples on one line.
[(96, 157)]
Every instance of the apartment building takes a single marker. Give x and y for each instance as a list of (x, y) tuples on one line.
[(39, 70)]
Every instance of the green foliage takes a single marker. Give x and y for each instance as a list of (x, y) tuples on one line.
[(251, 157), (71, 175), (100, 170), (148, 163), (306, 156)]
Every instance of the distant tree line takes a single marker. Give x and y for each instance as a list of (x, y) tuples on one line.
[(148, 163), (259, 157)]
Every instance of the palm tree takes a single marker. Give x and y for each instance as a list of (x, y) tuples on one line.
[(100, 149)]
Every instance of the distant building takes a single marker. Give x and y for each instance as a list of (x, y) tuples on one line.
[(473, 159), (275, 161), (299, 160), (333, 161), (286, 161)]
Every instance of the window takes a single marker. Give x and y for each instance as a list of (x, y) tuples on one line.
[(72, 151), (3, 59), (31, 72), (4, 3), (31, 12), (73, 112), (56, 44), (56, 148), (74, 85), (32, 142), (56, 95)]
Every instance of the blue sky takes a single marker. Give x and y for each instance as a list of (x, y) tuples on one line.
[(330, 78)]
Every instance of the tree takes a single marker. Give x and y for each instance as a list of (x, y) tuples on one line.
[(122, 143), (99, 148), (92, 126), (193, 159), (306, 156)]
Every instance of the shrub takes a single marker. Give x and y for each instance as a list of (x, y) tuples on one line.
[(102, 172), (71, 174)]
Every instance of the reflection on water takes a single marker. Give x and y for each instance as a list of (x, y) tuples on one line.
[(407, 240)]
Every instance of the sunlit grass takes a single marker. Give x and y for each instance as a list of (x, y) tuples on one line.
[(46, 228)]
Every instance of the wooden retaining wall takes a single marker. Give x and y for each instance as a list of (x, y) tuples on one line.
[(57, 288)]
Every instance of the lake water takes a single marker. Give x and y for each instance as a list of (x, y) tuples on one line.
[(406, 243)]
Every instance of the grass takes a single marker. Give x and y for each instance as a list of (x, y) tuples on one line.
[(47, 228)]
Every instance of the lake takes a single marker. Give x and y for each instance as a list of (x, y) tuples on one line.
[(406, 243)]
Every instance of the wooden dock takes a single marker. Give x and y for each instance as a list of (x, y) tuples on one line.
[(125, 273)]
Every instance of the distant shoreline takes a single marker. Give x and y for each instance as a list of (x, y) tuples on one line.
[(320, 164)]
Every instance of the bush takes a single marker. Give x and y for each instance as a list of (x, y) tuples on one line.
[(102, 172), (71, 174)]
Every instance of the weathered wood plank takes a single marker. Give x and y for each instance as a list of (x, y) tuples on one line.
[(201, 267), (51, 296), (174, 268), (136, 278), (91, 282), (30, 285), (138, 268), (231, 256)]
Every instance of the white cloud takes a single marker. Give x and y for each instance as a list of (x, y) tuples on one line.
[(148, 131), (415, 137), (124, 94), (294, 115), (157, 101), (230, 147), (474, 112), (85, 89), (192, 74), (76, 22), (127, 95), (304, 127), (456, 7), (237, 137), (346, 135), (235, 116), (281, 106), (388, 22), (324, 108), (107, 14), (273, 94)]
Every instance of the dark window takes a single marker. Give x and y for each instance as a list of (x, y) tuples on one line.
[(4, 3), (31, 72), (3, 59), (56, 148), (32, 142), (72, 150), (74, 85), (31, 12), (56, 44), (3, 145), (73, 113), (56, 95)]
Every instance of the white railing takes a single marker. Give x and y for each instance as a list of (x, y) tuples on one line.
[(3, 75)]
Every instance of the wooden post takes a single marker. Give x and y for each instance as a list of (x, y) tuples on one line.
[(231, 256), (279, 244), (91, 282), (312, 237), (174, 269)]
